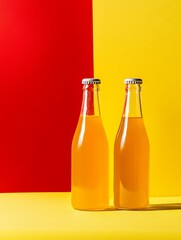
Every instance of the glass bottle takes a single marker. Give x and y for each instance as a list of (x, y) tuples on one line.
[(90, 153), (131, 153)]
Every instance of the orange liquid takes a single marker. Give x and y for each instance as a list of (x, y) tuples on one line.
[(131, 165), (90, 165)]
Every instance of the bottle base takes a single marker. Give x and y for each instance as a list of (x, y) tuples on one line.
[(103, 208), (134, 208)]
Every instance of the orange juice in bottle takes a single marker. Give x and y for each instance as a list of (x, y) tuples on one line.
[(89, 154), (131, 153)]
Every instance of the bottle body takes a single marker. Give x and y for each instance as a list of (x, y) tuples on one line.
[(131, 158), (89, 163)]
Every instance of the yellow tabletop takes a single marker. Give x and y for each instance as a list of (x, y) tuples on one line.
[(50, 216)]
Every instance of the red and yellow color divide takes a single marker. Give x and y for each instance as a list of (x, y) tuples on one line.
[(46, 48)]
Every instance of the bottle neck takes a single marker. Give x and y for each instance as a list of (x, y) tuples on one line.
[(90, 102), (132, 106)]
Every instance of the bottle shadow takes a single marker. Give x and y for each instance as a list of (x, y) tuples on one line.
[(152, 207), (164, 206)]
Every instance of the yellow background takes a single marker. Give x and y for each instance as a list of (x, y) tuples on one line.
[(138, 38), (50, 216)]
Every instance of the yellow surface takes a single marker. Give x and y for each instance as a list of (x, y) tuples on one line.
[(142, 39), (50, 216)]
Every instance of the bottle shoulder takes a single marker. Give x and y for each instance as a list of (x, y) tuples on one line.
[(132, 127), (90, 129)]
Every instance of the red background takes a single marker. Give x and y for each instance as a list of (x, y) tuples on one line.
[(45, 51)]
